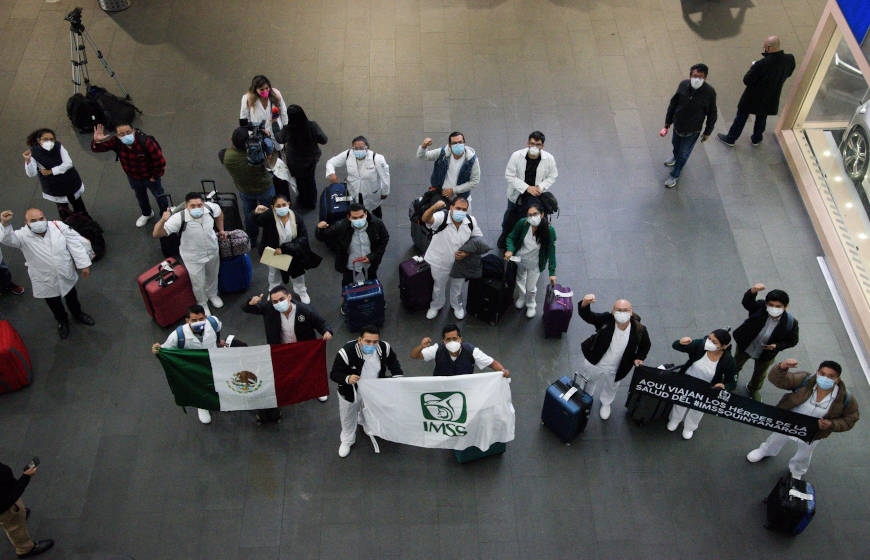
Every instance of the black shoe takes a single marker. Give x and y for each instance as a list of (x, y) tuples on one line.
[(754, 143), (63, 330), (85, 319), (38, 548), (724, 139)]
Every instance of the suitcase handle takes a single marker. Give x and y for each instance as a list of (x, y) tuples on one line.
[(574, 380), (165, 275)]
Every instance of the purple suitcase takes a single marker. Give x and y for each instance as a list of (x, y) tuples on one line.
[(558, 308), (415, 284)]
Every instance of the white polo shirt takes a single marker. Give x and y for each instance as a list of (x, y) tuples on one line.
[(444, 244)]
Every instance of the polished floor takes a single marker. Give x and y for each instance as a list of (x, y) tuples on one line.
[(125, 471)]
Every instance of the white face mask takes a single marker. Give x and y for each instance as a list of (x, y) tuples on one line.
[(775, 311), (453, 346), (709, 346), (38, 227), (47, 145), (696, 82), (534, 151), (622, 317), (535, 220)]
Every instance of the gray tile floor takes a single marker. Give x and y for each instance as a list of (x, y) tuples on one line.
[(125, 471)]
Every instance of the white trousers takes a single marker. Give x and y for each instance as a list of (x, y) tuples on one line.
[(800, 461), (527, 282), (204, 279), (442, 279), (603, 382), (349, 413), (298, 282), (689, 416)]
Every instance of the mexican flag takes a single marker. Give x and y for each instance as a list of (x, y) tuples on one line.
[(247, 377)]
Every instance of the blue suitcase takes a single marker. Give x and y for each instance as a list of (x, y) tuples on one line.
[(235, 274), (566, 408), (363, 304), (791, 505), (474, 453), (334, 203)]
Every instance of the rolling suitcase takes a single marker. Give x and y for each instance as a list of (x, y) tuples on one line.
[(558, 308), (229, 203), (644, 409), (363, 304), (474, 453), (170, 245), (490, 296), (16, 371), (415, 284), (334, 203), (791, 505), (235, 274), (566, 408), (167, 292)]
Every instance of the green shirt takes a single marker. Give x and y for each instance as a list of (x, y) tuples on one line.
[(545, 255), (249, 179)]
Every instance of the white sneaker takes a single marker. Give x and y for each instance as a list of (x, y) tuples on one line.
[(604, 411), (324, 398), (459, 313), (344, 450), (531, 312), (755, 456), (303, 297), (520, 303), (670, 182), (216, 301), (143, 219), (687, 434), (204, 415), (432, 313), (670, 162), (672, 426)]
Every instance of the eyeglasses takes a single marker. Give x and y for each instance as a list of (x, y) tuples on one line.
[(537, 144)]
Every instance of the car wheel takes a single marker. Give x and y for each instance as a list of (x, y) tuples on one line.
[(855, 156)]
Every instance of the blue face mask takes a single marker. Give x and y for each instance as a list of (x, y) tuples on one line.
[(358, 224), (459, 215), (824, 383), (360, 154), (282, 211), (128, 139), (196, 212), (457, 149), (368, 348), (282, 306)]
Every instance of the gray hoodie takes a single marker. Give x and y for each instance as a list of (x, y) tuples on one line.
[(470, 266)]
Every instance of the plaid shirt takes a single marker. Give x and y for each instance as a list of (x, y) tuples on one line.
[(143, 159)]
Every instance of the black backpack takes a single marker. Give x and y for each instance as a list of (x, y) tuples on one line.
[(83, 113), (88, 228), (115, 110)]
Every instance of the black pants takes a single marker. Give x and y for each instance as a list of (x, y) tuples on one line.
[(78, 205), (306, 184), (377, 212), (72, 301), (740, 121)]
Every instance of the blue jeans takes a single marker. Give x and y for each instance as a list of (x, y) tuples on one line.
[(740, 122), (249, 202), (141, 188), (682, 149)]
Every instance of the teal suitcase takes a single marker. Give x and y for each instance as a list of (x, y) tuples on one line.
[(474, 453)]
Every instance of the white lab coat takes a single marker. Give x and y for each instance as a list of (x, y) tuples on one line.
[(515, 173), (51, 259), (370, 176), (256, 113)]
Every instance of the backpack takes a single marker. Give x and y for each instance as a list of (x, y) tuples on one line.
[(447, 221), (89, 229), (423, 203), (115, 110), (184, 222), (83, 113), (179, 332)]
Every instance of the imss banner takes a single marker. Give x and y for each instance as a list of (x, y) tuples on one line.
[(247, 377), (685, 390), (444, 412)]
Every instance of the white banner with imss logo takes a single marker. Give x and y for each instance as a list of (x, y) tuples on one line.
[(444, 412)]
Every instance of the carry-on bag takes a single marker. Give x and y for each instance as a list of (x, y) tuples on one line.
[(474, 453), (236, 243), (170, 245), (16, 371), (490, 296), (558, 309), (334, 203), (415, 283), (363, 304), (566, 408), (228, 202), (643, 408), (235, 274), (791, 505), (84, 113), (88, 228), (116, 110), (167, 291)]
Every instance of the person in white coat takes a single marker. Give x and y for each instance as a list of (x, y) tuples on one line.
[(451, 230), (368, 175), (199, 332), (456, 170), (258, 103), (53, 251), (530, 172)]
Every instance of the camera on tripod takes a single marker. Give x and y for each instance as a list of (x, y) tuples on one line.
[(75, 20)]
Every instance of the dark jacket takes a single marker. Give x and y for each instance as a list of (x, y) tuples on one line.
[(764, 81), (308, 322), (783, 336), (689, 107), (65, 184), (843, 412), (339, 235), (596, 345), (303, 257), (726, 368), (11, 488), (302, 149), (349, 361), (472, 265)]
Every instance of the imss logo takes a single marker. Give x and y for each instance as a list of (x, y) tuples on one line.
[(444, 413)]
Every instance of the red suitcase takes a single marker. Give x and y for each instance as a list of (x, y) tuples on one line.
[(167, 292), (15, 367)]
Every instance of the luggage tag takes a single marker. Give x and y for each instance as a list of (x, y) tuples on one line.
[(566, 396), (563, 294), (795, 493), (515, 259), (417, 259)]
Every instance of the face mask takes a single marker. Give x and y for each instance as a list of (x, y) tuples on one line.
[(281, 306), (824, 383), (282, 211), (459, 215), (264, 94), (453, 346), (360, 154), (38, 227), (709, 346), (622, 317), (775, 311), (128, 139), (196, 212), (535, 220), (696, 82), (534, 151), (358, 224), (457, 149), (47, 145), (198, 327), (368, 348)]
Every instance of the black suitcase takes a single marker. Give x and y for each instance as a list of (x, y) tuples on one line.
[(791, 505), (490, 296), (644, 409), (170, 245), (229, 203)]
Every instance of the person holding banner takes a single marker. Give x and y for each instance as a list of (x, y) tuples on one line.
[(619, 343), (367, 357), (709, 360), (821, 395), (453, 356)]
